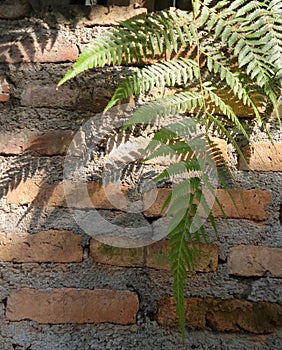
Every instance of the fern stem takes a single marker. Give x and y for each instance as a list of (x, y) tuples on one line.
[(198, 61)]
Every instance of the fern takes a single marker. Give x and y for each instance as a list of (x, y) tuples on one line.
[(166, 106), (231, 45), (160, 75), (133, 40)]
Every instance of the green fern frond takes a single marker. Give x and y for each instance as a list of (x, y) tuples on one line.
[(159, 75), (233, 28), (180, 129), (180, 168), (135, 39), (183, 230), (168, 105), (219, 125), (224, 108), (219, 64), (234, 44), (173, 151)]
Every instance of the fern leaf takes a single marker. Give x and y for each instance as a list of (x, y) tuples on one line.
[(182, 255), (235, 29), (226, 109), (179, 168), (218, 64), (181, 102), (236, 4), (158, 76), (131, 40)]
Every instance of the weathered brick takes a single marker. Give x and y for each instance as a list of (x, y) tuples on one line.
[(11, 144), (40, 194), (250, 260), (279, 106), (52, 142), (46, 95), (249, 204), (219, 154), (106, 197), (156, 256), (73, 306), (46, 246), (220, 146), (223, 315), (244, 204), (262, 156), (4, 90), (60, 51), (156, 208), (206, 261), (47, 50), (14, 9), (239, 108), (101, 15), (52, 195), (106, 254)]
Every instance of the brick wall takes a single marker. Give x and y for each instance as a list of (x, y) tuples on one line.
[(61, 288)]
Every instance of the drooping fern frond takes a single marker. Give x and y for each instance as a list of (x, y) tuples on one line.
[(185, 226), (227, 46)]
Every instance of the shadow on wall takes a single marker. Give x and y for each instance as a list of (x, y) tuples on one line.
[(35, 32), (30, 45), (33, 179), (22, 43), (38, 32)]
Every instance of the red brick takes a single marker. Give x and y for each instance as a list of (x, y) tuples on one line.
[(52, 142), (262, 156), (111, 199), (156, 208), (219, 154), (42, 95), (11, 144), (45, 246), (101, 15), (279, 105), (4, 90), (4, 97), (223, 315), (28, 50), (221, 147), (239, 108), (52, 195), (106, 254), (250, 260), (40, 194), (246, 204), (68, 305), (249, 204), (93, 98), (158, 257)]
